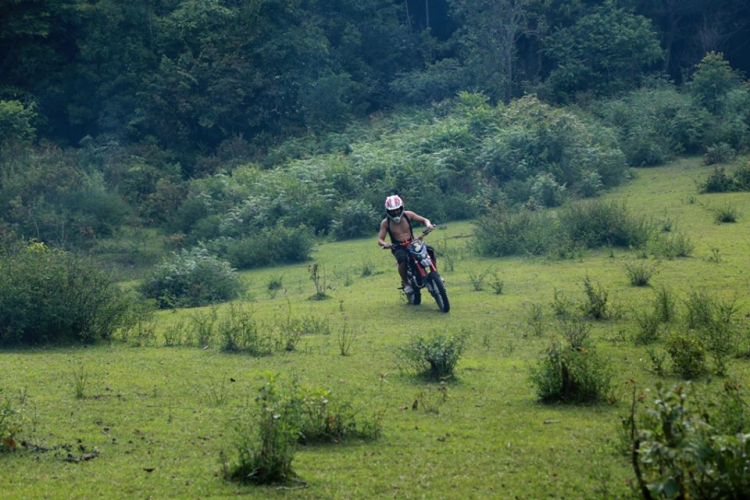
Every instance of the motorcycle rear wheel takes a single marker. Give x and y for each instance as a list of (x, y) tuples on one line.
[(438, 291)]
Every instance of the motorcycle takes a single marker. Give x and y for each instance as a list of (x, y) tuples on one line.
[(422, 273)]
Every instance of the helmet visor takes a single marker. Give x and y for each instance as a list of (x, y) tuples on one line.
[(396, 212)]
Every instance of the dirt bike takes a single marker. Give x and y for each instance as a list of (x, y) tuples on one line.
[(422, 273)]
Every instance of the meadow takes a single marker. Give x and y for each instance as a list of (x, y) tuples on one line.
[(133, 418)]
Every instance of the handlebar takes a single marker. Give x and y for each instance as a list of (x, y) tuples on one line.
[(407, 242)]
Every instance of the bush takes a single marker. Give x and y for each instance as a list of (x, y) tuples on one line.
[(639, 274), (434, 357), (680, 448), (597, 223), (717, 182), (274, 245), (501, 232), (687, 353), (50, 295), (10, 424), (572, 374), (595, 305), (719, 153), (726, 214), (354, 219), (191, 279), (266, 440), (328, 419)]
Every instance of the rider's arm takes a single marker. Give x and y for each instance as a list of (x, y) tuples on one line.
[(381, 235), (420, 219)]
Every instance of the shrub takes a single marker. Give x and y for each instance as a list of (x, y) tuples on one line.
[(501, 233), (435, 356), (240, 331), (50, 295), (687, 353), (273, 245), (671, 245), (191, 279), (680, 449), (597, 223), (649, 328), (327, 418), (354, 219), (717, 182), (266, 455), (726, 214), (719, 153), (572, 374), (10, 424), (665, 305), (595, 305), (639, 274)]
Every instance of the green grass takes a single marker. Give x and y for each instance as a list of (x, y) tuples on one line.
[(156, 407)]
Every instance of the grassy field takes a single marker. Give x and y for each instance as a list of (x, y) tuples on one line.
[(159, 417)]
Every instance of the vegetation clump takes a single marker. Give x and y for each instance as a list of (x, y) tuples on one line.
[(572, 371), (52, 296), (191, 279), (688, 446), (435, 356)]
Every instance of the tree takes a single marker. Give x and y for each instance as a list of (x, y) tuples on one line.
[(712, 81), (605, 52)]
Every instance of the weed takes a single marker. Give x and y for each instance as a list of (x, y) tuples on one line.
[(639, 274), (175, 334), (657, 359), (266, 440), (573, 375), (345, 338), (217, 394), (726, 214), (448, 255), (561, 305), (366, 268), (327, 418), (318, 277), (435, 356), (665, 305), (430, 399), (595, 305), (239, 331), (648, 329), (80, 380), (576, 332), (671, 245), (687, 353), (477, 279), (275, 282), (535, 319), (496, 283), (715, 256), (11, 424), (201, 329)]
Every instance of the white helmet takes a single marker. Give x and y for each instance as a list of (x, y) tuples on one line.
[(394, 208)]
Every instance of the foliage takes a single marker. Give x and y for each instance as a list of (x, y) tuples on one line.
[(681, 450), (605, 51), (597, 223), (266, 440), (435, 356), (572, 372), (51, 296), (639, 274), (354, 219), (687, 353), (274, 245), (719, 153), (328, 418), (190, 279), (16, 121), (712, 81), (11, 424)]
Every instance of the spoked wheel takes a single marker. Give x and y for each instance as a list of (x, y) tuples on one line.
[(438, 291)]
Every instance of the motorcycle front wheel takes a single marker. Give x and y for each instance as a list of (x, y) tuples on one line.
[(438, 291)]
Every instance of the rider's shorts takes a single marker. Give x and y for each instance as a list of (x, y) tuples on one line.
[(400, 253)]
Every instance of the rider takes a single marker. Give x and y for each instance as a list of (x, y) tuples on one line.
[(398, 225)]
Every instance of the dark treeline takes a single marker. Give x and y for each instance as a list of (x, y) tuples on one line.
[(176, 113), (189, 75)]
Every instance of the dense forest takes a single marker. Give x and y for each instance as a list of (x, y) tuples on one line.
[(215, 120)]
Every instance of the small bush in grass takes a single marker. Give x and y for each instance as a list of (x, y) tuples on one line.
[(502, 232), (726, 214), (671, 245), (191, 279), (274, 245), (434, 357), (327, 418), (354, 219), (11, 424), (266, 439), (595, 223), (49, 295), (572, 374), (687, 354), (639, 274), (683, 447), (595, 305), (240, 331), (649, 326), (741, 178), (717, 182)]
